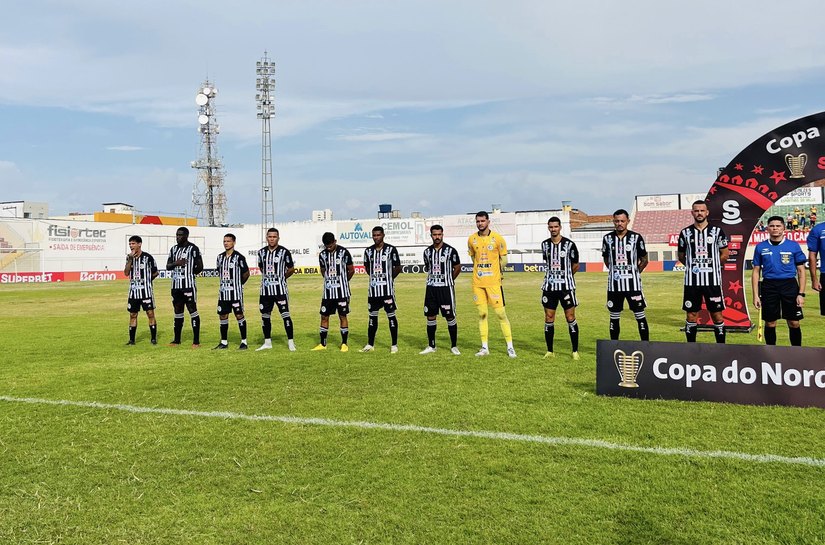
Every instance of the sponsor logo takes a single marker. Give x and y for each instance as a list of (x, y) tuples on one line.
[(16, 278), (74, 232), (628, 366), (97, 276)]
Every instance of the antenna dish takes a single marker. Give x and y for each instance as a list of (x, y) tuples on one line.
[(201, 99), (203, 119), (208, 91)]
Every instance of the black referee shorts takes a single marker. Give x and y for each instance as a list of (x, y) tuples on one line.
[(779, 300)]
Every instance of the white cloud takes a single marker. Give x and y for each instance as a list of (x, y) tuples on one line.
[(378, 136), (125, 148)]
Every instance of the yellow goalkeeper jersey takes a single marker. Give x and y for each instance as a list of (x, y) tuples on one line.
[(486, 253)]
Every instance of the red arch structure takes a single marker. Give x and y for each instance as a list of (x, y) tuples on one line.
[(787, 158)]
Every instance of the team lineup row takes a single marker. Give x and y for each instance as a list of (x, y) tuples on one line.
[(702, 248)]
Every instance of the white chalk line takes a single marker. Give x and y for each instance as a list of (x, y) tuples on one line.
[(494, 435)]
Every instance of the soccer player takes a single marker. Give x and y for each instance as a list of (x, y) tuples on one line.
[(185, 261), (625, 256), (382, 264), (276, 266), (782, 267), (816, 247), (561, 257), (443, 265), (488, 251), (141, 270), (337, 270), (702, 248), (233, 273)]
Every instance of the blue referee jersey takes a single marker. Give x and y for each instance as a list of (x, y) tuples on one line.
[(816, 243), (778, 261)]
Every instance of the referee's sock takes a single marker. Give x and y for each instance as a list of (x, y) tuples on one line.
[(719, 332), (393, 328), (615, 325), (770, 335), (549, 333), (690, 331), (431, 327), (795, 333)]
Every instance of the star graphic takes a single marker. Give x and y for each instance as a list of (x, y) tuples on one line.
[(757, 169), (778, 176), (739, 166), (712, 190), (735, 286)]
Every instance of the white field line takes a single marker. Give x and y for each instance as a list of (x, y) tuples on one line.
[(494, 435)]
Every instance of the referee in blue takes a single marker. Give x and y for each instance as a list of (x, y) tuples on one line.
[(781, 264)]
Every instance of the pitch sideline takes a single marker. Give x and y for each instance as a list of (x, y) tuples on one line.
[(499, 436)]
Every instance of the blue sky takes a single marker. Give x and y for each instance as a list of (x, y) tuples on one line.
[(437, 107)]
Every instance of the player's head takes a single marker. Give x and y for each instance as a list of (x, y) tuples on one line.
[(228, 241), (272, 237), (620, 220), (135, 242), (437, 234), (482, 221), (699, 210), (776, 226), (182, 235), (378, 235), (328, 240), (554, 226)]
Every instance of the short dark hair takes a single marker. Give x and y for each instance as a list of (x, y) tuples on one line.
[(780, 219), (378, 228), (700, 201), (328, 238), (621, 211), (184, 230), (482, 214), (436, 227), (272, 230), (230, 235), (554, 219), (135, 238)]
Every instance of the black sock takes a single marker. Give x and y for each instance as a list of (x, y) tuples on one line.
[(153, 331), (615, 328), (224, 330), (287, 325), (549, 333), (196, 328), (719, 332), (242, 327), (770, 335), (452, 327), (323, 333), (795, 333), (344, 335), (372, 329), (690, 332), (178, 327), (573, 327), (132, 331), (267, 326), (644, 332), (431, 327), (393, 329)]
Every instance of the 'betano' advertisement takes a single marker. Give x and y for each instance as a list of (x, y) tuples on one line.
[(746, 374)]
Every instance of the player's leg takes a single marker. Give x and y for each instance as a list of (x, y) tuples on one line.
[(691, 305), (372, 326), (569, 303), (343, 310), (323, 330), (266, 304), (615, 305), (133, 316), (223, 321), (392, 319), (239, 316), (283, 308), (638, 304), (549, 327), (715, 305), (192, 307), (153, 324), (480, 300), (178, 304), (496, 296)]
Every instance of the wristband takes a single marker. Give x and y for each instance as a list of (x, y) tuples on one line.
[(801, 294)]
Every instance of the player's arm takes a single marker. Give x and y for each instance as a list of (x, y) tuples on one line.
[(815, 285), (456, 265), (244, 271), (605, 253), (574, 259), (128, 268), (642, 262), (154, 269), (396, 263), (197, 268), (171, 263), (755, 275), (681, 249), (800, 274), (723, 254), (350, 266)]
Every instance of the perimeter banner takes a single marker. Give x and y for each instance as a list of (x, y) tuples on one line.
[(746, 374)]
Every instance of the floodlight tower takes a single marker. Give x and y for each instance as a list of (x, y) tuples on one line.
[(208, 197), (265, 88)]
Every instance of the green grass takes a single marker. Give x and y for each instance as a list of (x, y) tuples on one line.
[(87, 476)]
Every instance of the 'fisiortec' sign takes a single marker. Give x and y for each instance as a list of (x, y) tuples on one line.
[(748, 374)]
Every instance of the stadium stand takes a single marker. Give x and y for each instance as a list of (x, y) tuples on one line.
[(657, 225)]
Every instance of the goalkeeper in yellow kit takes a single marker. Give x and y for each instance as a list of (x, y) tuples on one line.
[(489, 253)]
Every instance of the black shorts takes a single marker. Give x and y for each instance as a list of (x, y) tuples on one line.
[(135, 305), (439, 299), (779, 300), (635, 301), (267, 302), (551, 299), (234, 306), (332, 306), (712, 295), (187, 295), (377, 303)]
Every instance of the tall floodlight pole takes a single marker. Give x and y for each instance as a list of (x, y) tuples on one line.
[(208, 197), (265, 88)]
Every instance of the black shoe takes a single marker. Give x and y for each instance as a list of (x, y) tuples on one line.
[(154, 341), (130, 343), (221, 346), (174, 343), (243, 347)]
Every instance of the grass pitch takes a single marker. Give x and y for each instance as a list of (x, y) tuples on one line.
[(90, 475)]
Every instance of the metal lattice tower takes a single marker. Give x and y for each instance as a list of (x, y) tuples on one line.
[(208, 197), (265, 88)]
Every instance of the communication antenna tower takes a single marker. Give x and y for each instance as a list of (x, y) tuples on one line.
[(208, 197), (265, 88)]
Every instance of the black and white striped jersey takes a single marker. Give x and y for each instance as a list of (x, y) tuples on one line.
[(231, 270), (274, 264), (183, 276), (378, 264), (622, 255), (703, 264), (439, 263), (559, 259), (140, 277), (334, 268)]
